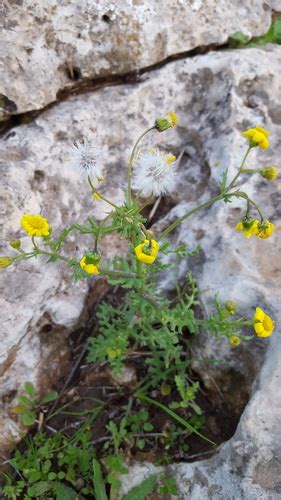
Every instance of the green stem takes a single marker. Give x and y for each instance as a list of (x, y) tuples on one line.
[(131, 162), (239, 170), (34, 243), (95, 191), (241, 194), (114, 274), (100, 226), (61, 257), (191, 212)]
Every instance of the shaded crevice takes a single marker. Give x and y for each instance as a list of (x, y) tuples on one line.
[(83, 86)]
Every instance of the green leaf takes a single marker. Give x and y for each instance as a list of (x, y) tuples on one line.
[(26, 401), (38, 489), (29, 389), (34, 476), (98, 482), (28, 418), (147, 427), (179, 419), (64, 492), (51, 396), (143, 489), (141, 444), (239, 37)]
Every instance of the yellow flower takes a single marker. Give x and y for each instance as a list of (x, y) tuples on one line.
[(146, 251), (96, 196), (169, 121), (265, 229), (173, 119), (35, 225), (170, 159), (257, 136), (89, 267), (248, 226), (5, 261), (269, 173), (263, 324), (234, 340)]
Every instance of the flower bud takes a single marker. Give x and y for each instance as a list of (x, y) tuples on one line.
[(92, 258), (270, 173), (16, 244), (231, 306), (169, 121), (6, 261), (234, 340)]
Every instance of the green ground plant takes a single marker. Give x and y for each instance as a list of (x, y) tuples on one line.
[(145, 322)]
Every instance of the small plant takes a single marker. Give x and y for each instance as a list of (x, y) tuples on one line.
[(28, 405), (273, 35), (145, 323)]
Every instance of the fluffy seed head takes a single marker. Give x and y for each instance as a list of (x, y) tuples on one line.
[(87, 159), (154, 173)]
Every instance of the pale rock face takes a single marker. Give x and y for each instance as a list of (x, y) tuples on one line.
[(216, 97), (49, 46)]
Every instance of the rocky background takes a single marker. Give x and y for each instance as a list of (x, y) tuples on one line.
[(103, 70)]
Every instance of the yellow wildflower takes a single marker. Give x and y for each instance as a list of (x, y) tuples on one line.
[(234, 340), (248, 226), (257, 136), (146, 251), (173, 118), (96, 196), (35, 225), (169, 121), (263, 324), (269, 173), (88, 266), (5, 261), (265, 229)]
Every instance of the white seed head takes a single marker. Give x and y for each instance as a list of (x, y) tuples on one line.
[(87, 159), (154, 173)]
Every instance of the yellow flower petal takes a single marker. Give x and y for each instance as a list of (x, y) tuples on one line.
[(141, 252), (263, 323), (89, 268), (259, 314), (35, 225)]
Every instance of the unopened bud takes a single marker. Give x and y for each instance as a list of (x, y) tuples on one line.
[(231, 306), (16, 244), (269, 173), (169, 121), (234, 340), (6, 261)]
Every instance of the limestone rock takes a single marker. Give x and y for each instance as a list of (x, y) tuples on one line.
[(216, 97), (49, 46)]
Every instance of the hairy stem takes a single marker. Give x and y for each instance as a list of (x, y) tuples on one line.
[(95, 191), (131, 162)]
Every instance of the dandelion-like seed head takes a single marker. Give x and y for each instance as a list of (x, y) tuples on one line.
[(154, 173), (87, 159)]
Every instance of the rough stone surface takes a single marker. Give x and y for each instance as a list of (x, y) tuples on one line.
[(216, 96), (56, 44)]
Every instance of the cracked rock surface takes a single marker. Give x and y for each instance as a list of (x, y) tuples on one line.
[(216, 96), (49, 46)]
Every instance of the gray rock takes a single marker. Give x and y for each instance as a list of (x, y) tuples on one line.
[(216, 97), (50, 46)]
